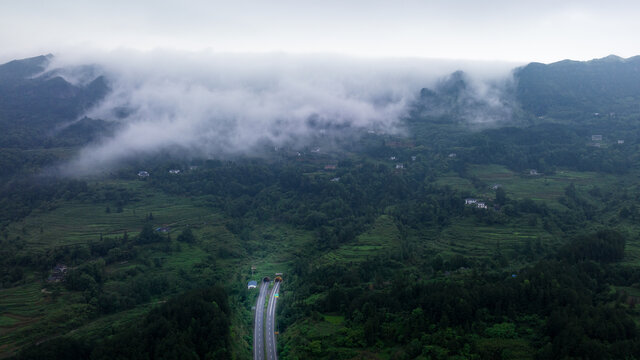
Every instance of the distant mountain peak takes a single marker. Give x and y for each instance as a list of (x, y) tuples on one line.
[(453, 84), (564, 88), (23, 68), (610, 58)]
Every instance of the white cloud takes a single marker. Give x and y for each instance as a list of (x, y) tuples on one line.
[(210, 104)]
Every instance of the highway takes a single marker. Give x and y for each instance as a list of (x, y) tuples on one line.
[(258, 333), (272, 353)]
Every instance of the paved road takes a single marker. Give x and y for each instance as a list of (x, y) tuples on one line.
[(258, 332), (272, 353)]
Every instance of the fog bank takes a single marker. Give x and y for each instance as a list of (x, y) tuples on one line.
[(208, 104)]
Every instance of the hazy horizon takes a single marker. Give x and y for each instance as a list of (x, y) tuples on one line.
[(543, 31)]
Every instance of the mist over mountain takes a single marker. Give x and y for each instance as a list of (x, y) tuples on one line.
[(35, 103), (460, 98), (223, 104), (218, 105), (387, 191)]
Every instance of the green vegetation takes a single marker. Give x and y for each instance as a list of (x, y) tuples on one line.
[(379, 261), (194, 326)]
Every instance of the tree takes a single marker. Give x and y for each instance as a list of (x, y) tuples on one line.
[(501, 196), (148, 235), (187, 236)]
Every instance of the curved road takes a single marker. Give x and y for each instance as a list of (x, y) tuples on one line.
[(258, 334), (272, 352)]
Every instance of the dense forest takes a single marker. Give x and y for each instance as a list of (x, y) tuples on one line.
[(194, 325)]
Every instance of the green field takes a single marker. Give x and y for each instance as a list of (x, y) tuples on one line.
[(542, 187), (76, 222), (467, 237), (382, 237)]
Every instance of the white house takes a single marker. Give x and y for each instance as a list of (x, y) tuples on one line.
[(252, 284), (470, 201), (143, 174), (174, 171)]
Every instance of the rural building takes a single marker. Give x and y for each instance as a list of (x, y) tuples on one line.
[(476, 203), (392, 158), (143, 174), (335, 179), (252, 284), (58, 273), (452, 155), (163, 230), (174, 171), (596, 137), (399, 166), (620, 141), (533, 172)]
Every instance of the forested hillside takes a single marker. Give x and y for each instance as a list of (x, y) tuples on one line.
[(573, 88), (511, 238)]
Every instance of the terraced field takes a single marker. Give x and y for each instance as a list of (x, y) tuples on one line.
[(539, 187), (383, 236), (31, 314), (20, 308), (80, 222), (466, 237)]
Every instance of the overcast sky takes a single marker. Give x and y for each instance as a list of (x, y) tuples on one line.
[(511, 30)]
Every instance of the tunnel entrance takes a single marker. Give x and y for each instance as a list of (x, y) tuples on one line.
[(266, 279)]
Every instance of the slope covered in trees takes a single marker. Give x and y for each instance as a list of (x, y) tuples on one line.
[(191, 326), (385, 247)]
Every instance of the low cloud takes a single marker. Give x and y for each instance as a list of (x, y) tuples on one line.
[(208, 104), (477, 103)]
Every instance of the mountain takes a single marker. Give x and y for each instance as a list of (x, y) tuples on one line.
[(21, 69), (33, 102), (456, 97), (568, 88)]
